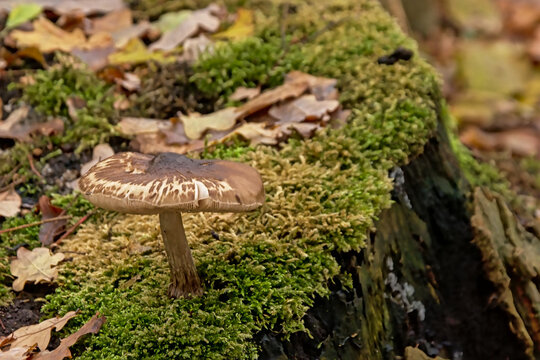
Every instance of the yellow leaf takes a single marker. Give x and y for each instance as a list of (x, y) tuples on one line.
[(195, 125), (242, 27), (135, 52), (47, 37), (36, 265)]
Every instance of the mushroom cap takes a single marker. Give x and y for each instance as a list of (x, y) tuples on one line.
[(146, 184)]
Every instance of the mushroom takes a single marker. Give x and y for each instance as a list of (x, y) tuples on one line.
[(169, 184)]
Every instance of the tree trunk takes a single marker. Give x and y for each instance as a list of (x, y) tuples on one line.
[(430, 277)]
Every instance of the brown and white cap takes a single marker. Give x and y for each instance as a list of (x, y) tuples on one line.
[(146, 184)]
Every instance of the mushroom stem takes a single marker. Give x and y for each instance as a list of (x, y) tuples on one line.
[(184, 279)]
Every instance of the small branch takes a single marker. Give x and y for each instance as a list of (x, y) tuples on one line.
[(24, 226), (34, 170), (72, 229)]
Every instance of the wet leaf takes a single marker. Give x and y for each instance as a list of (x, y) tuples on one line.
[(22, 13), (242, 27), (10, 203), (47, 37), (48, 230), (195, 124), (62, 351), (135, 52), (36, 265), (39, 334), (199, 20)]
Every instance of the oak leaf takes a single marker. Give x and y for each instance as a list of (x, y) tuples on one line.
[(256, 133), (305, 108), (36, 265)]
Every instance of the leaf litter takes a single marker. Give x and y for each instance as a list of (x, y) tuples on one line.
[(37, 265)]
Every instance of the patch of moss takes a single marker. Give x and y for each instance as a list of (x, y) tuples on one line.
[(323, 196)]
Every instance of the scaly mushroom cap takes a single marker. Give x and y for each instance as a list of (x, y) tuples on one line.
[(145, 184)]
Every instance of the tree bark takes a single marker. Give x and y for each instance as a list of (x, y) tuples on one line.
[(184, 278)]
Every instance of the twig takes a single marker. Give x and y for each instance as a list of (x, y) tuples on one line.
[(72, 229), (15, 183), (31, 160), (24, 226), (2, 324)]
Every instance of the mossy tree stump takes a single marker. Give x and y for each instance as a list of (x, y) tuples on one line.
[(365, 245)]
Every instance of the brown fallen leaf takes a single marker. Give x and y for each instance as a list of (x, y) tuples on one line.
[(10, 203), (129, 81), (306, 130), (175, 134), (16, 354), (194, 47), (292, 89), (520, 141), (154, 143), (49, 230), (39, 334), (74, 103), (96, 58), (87, 7), (255, 133), (111, 22), (100, 152), (62, 351), (242, 93), (195, 124), (121, 37), (11, 128), (47, 37), (134, 126), (323, 88), (203, 19), (305, 108), (36, 265)]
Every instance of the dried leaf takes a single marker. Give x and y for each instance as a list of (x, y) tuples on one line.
[(113, 21), (195, 125), (96, 58), (256, 133), (74, 104), (39, 334), (68, 6), (100, 152), (47, 37), (135, 52), (62, 351), (36, 265), (270, 97), (306, 130), (129, 81), (198, 20), (242, 93), (194, 47), (16, 354), (175, 134), (305, 108), (10, 203), (123, 36), (323, 88), (11, 128), (49, 230), (242, 27), (153, 143), (22, 13), (135, 126), (520, 141)]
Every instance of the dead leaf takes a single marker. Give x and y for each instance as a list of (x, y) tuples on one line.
[(74, 104), (49, 230), (195, 124), (305, 108), (96, 58), (135, 52), (169, 21), (10, 203), (39, 334), (194, 47), (100, 152), (51, 127), (135, 126), (242, 93), (122, 36), (16, 354), (519, 141), (256, 133), (11, 128), (47, 37), (62, 351), (242, 27), (68, 6), (129, 81), (113, 21), (199, 20), (323, 88), (36, 265), (291, 89), (154, 143), (306, 130), (175, 134)]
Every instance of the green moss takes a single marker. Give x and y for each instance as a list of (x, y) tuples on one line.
[(323, 196)]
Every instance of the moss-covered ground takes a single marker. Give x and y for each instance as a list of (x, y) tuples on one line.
[(263, 269)]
